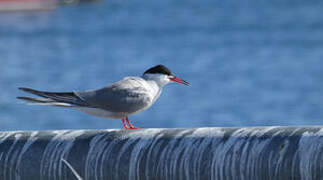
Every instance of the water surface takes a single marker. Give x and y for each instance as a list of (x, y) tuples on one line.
[(250, 63)]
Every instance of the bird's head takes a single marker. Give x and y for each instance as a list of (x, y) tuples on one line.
[(162, 75)]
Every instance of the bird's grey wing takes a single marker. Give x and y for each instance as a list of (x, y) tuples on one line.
[(118, 97)]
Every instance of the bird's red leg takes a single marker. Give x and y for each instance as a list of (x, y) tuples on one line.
[(125, 124), (131, 126)]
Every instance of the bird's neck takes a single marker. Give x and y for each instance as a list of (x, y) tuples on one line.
[(155, 86), (159, 79)]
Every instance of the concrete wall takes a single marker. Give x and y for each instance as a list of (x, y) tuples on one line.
[(203, 153)]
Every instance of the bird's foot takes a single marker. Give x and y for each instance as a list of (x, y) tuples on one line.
[(132, 127)]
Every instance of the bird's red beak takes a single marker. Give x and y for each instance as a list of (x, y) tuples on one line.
[(179, 80)]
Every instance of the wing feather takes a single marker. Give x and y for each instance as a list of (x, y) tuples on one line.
[(52, 97)]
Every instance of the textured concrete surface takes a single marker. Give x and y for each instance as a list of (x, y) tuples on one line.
[(202, 153)]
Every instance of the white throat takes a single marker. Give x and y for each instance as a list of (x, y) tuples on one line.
[(160, 79)]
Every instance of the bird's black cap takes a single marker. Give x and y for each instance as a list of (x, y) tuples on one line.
[(159, 69)]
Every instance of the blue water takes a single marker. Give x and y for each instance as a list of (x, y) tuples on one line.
[(250, 63)]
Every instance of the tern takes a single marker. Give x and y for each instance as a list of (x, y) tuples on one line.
[(118, 100)]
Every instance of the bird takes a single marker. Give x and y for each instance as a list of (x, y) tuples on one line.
[(117, 100)]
